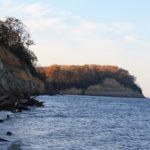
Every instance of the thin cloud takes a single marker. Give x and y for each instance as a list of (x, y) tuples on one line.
[(130, 38), (37, 9), (7, 4), (123, 27), (43, 24), (46, 17), (88, 25)]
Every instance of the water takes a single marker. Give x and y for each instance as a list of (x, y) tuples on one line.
[(80, 123)]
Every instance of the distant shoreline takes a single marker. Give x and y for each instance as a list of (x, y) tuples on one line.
[(142, 97)]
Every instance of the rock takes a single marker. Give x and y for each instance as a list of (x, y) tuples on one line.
[(8, 116), (1, 121), (15, 104), (22, 107), (34, 102), (3, 140), (9, 133)]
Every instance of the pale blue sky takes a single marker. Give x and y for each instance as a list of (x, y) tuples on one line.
[(106, 32)]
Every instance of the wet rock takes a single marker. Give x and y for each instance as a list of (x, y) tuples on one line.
[(9, 133), (34, 102), (3, 140), (1, 121), (20, 108), (8, 116), (15, 104)]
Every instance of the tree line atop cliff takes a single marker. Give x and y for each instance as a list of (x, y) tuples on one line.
[(60, 77), (15, 38)]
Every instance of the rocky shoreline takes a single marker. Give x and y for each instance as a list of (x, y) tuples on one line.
[(9, 103), (14, 105)]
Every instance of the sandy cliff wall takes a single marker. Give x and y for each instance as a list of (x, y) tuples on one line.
[(15, 77), (109, 87)]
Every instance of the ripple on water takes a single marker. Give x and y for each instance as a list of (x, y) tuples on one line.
[(80, 123)]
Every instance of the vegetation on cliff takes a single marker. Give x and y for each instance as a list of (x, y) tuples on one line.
[(16, 39), (60, 77)]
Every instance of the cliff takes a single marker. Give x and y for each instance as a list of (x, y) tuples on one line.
[(15, 77), (109, 87), (90, 80)]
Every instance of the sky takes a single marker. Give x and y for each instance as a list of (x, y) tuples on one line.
[(104, 32)]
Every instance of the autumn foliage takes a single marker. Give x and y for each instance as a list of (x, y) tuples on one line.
[(59, 77)]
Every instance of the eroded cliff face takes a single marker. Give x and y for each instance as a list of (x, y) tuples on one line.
[(109, 87), (15, 77)]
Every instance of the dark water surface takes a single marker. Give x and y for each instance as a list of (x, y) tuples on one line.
[(80, 123)]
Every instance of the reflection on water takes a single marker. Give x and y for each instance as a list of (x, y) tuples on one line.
[(80, 123)]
